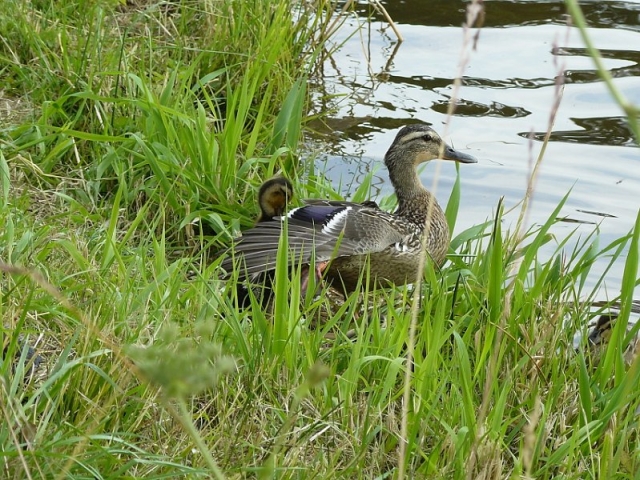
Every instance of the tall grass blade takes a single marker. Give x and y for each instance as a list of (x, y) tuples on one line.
[(287, 127)]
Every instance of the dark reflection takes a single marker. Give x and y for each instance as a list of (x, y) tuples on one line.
[(428, 83), (523, 83), (586, 76), (434, 83), (595, 131), (467, 108), (505, 13), (352, 130)]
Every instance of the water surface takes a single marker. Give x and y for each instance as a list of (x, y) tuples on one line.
[(377, 85)]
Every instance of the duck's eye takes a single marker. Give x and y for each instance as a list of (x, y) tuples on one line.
[(427, 138)]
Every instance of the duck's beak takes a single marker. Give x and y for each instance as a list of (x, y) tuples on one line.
[(450, 153)]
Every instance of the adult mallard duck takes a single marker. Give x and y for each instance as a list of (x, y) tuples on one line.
[(343, 237)]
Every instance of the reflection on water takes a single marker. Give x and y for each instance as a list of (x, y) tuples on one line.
[(470, 108), (506, 13), (375, 86), (596, 131), (632, 69)]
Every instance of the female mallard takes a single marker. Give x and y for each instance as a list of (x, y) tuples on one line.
[(343, 237)]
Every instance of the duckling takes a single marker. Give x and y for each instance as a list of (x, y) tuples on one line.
[(273, 197), (343, 237), (600, 334)]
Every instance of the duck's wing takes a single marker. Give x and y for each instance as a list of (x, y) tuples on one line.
[(342, 203), (318, 232)]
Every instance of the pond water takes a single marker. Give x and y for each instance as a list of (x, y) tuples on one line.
[(376, 85)]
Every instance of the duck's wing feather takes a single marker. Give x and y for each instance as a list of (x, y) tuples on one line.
[(318, 232), (342, 203)]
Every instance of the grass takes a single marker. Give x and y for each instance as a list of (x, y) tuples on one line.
[(147, 134)]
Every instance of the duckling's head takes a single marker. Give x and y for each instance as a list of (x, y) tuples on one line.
[(416, 144), (602, 330), (273, 196)]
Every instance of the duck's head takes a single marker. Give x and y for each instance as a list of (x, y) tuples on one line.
[(416, 144), (602, 330), (273, 197)]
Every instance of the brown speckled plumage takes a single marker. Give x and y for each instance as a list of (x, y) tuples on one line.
[(347, 236)]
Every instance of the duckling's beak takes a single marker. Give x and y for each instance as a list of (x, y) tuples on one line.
[(450, 153)]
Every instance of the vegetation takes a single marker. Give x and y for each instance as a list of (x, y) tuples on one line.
[(136, 136)]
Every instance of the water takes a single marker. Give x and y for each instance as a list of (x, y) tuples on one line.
[(377, 85)]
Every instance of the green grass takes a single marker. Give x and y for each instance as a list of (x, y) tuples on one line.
[(148, 134)]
